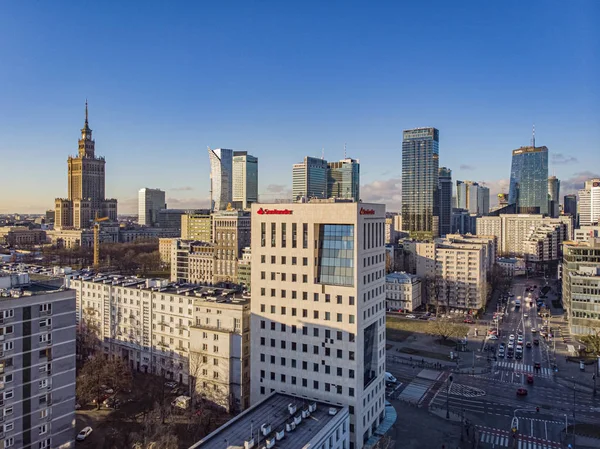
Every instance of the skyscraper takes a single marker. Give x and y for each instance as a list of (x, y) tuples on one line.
[(529, 180), (245, 179), (589, 203), (318, 306), (473, 197), (553, 196), (570, 205), (445, 189), (343, 179), (420, 164), (309, 179), (150, 201), (86, 187), (221, 161)]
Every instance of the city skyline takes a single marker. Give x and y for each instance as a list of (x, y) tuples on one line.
[(358, 97)]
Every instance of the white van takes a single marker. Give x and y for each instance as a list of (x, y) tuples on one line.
[(389, 379)]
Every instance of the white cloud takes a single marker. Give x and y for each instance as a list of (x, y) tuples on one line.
[(388, 192)]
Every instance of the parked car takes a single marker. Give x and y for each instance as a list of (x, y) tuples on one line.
[(170, 384), (492, 337), (536, 342), (528, 344), (85, 432), (529, 379), (412, 317)]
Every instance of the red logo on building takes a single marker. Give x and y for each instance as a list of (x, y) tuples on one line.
[(367, 211), (262, 211)]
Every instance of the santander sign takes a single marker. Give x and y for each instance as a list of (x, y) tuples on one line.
[(262, 211), (367, 211)]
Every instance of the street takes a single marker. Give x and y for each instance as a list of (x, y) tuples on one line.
[(489, 401)]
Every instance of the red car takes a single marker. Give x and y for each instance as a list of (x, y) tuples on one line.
[(529, 379), (521, 392)]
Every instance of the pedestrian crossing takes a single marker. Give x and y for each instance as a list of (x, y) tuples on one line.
[(495, 438), (524, 368)]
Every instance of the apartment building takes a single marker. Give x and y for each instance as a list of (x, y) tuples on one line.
[(245, 269), (581, 285), (164, 249), (543, 244), (402, 291), (37, 368), (231, 234), (318, 307), (192, 262), (197, 226), (170, 330)]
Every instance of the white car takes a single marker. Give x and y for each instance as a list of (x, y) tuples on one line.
[(412, 317), (511, 338), (85, 432), (525, 315), (492, 337)]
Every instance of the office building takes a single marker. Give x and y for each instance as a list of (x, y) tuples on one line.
[(445, 201), (318, 306), (195, 335), (284, 421), (21, 236), (309, 179), (589, 203), (402, 291), (420, 198), (231, 234), (150, 202), (529, 180), (197, 226), (37, 362), (343, 179), (463, 222), (584, 232), (473, 197), (398, 222), (570, 205), (50, 214), (581, 285), (390, 230), (553, 196), (164, 249), (245, 269), (221, 177), (511, 230), (419, 258), (543, 246), (245, 179), (86, 187)]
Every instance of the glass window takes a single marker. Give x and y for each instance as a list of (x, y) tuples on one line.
[(336, 255)]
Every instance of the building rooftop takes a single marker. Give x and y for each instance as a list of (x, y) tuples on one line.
[(208, 293), (400, 277), (274, 411)]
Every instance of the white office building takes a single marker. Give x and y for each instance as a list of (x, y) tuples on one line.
[(245, 179), (150, 202), (318, 307), (589, 203)]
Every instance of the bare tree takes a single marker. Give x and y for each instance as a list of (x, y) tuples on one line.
[(87, 339), (207, 391), (98, 371), (444, 328)]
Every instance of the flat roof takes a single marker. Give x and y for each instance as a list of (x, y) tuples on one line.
[(273, 411)]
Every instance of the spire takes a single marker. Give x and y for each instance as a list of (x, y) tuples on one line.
[(86, 112), (533, 137)]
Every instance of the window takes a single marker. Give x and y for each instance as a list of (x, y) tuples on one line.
[(9, 442), (43, 429), (44, 384), (9, 313), (294, 234), (8, 345), (339, 317), (305, 261), (46, 338), (327, 316), (263, 258), (294, 260), (283, 236), (44, 443), (273, 234), (45, 309), (9, 426), (8, 410), (8, 394), (8, 378), (263, 232)]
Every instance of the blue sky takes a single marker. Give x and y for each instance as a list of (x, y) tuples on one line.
[(284, 80)]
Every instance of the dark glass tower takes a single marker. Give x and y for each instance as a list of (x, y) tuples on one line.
[(420, 198), (445, 190), (570, 205), (529, 180)]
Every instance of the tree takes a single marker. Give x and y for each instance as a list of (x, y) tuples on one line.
[(592, 343), (98, 371), (154, 434), (87, 339), (212, 393), (389, 263), (432, 288), (444, 328)]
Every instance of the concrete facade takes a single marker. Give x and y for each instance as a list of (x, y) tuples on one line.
[(402, 291), (318, 306)]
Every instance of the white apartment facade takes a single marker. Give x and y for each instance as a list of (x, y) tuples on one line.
[(150, 202), (245, 179), (402, 291), (589, 203), (157, 327), (318, 306)]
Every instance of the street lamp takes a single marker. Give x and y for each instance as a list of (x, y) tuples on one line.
[(448, 397)]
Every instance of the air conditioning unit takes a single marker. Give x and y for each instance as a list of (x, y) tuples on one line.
[(265, 429), (333, 411), (270, 443), (305, 413), (312, 407), (291, 408), (280, 434), (290, 426), (297, 419), (249, 444)]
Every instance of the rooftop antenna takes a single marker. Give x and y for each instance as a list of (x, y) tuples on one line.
[(344, 150), (533, 137), (322, 153)]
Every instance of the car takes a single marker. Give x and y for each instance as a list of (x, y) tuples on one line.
[(528, 344), (509, 354), (390, 379), (170, 384), (502, 345), (520, 332), (525, 315), (533, 330), (518, 355), (85, 432), (468, 320), (511, 338), (492, 337), (521, 392), (529, 379), (536, 342), (537, 365), (412, 317)]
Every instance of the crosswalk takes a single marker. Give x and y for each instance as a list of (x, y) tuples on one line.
[(524, 368), (495, 438)]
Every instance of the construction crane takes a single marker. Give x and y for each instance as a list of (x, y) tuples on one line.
[(97, 222)]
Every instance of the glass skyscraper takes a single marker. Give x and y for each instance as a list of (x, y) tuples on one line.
[(529, 180), (309, 179), (445, 189), (221, 165), (343, 179), (420, 198)]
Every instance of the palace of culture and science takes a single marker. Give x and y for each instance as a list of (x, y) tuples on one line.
[(86, 187)]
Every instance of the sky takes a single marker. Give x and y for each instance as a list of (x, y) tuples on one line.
[(283, 80)]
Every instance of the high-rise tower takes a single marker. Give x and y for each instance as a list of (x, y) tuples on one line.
[(529, 180), (445, 189), (309, 179), (221, 174), (343, 179), (553, 196), (150, 202), (245, 179), (473, 197), (86, 186), (420, 164)]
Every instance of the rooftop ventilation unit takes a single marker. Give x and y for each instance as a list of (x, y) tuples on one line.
[(297, 419), (279, 434), (265, 429), (249, 444), (312, 407), (270, 442), (333, 411), (290, 426), (291, 408), (305, 413)]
